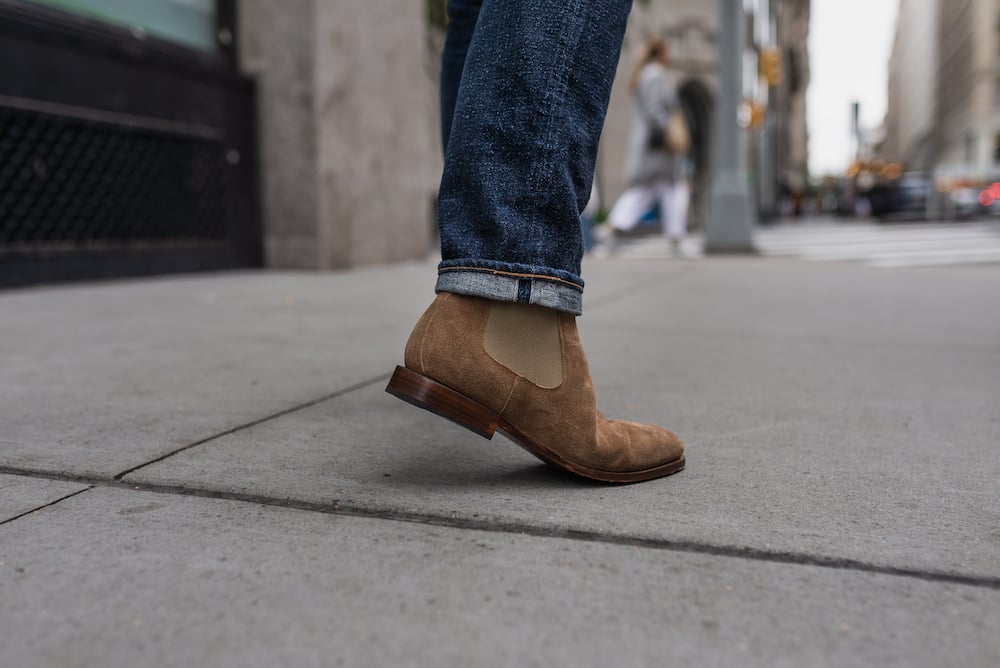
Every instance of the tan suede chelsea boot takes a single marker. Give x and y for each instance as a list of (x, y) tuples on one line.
[(520, 369)]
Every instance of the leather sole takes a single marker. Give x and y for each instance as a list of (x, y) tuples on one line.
[(421, 391)]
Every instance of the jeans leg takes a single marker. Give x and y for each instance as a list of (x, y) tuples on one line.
[(521, 149), (462, 18)]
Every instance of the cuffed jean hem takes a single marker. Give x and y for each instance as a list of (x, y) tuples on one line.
[(503, 286)]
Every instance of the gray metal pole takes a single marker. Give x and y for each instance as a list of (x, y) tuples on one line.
[(730, 221)]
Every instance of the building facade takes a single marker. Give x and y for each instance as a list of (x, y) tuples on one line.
[(193, 135), (348, 130), (968, 85), (793, 20), (183, 135), (913, 86), (127, 140), (944, 89)]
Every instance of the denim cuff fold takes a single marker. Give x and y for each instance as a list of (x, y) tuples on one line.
[(509, 285)]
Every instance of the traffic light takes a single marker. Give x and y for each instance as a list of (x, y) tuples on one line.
[(771, 66)]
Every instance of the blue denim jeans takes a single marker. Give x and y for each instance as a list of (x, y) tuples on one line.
[(524, 91)]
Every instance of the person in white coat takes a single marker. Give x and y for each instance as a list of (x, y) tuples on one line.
[(656, 166)]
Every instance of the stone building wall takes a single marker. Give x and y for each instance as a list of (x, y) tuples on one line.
[(348, 130), (793, 145), (912, 84), (955, 138)]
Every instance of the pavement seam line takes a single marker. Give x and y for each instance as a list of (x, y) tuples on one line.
[(47, 505), (267, 418), (513, 527)]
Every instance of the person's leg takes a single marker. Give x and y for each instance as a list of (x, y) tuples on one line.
[(662, 195), (677, 198), (498, 349), (522, 146), (631, 206)]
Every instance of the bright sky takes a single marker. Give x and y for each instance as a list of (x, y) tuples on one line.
[(849, 46)]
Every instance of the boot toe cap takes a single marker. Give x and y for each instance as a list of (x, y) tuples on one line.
[(648, 445)]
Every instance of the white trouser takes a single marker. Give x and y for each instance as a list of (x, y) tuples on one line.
[(637, 200)]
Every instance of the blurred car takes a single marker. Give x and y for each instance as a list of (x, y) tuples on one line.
[(905, 198), (968, 202)]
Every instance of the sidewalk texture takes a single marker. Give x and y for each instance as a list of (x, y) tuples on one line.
[(206, 471)]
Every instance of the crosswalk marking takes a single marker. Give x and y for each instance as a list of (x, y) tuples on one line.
[(928, 244)]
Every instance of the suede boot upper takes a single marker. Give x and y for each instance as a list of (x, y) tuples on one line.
[(447, 345)]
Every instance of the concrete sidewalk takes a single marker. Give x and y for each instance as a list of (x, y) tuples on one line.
[(206, 471)]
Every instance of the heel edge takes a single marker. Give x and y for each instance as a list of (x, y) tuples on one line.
[(422, 392)]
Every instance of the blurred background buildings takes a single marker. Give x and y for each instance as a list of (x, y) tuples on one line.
[(151, 136), (943, 119), (912, 85)]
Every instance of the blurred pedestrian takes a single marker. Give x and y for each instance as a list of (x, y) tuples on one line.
[(524, 91), (656, 155)]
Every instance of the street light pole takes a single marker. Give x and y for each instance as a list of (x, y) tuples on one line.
[(730, 221)]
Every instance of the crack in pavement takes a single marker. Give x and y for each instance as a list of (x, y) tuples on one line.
[(46, 505), (247, 425), (515, 527)]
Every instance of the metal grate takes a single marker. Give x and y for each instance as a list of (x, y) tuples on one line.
[(72, 182)]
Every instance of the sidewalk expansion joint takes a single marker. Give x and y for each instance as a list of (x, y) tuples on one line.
[(520, 528), (44, 506), (267, 418)]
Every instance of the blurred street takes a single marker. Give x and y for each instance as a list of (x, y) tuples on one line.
[(205, 470), (872, 244)]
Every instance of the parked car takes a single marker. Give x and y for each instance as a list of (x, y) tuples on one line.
[(903, 199)]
